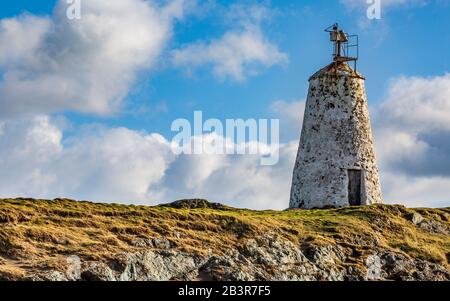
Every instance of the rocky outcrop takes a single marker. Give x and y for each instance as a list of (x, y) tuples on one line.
[(194, 204), (268, 257), (64, 240)]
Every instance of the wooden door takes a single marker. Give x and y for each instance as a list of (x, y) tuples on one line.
[(354, 187)]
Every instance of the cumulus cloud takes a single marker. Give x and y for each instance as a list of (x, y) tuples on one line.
[(239, 52), (416, 191), (25, 148), (411, 133), (239, 181), (120, 165), (411, 129), (417, 103), (37, 158), (290, 114), (97, 164), (52, 64), (396, 146)]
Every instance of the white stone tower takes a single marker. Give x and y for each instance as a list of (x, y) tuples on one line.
[(336, 163)]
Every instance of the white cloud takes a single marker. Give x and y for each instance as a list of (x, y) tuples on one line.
[(291, 117), (120, 165), (115, 164), (26, 147), (395, 145), (412, 124), (416, 191), (411, 132), (291, 111), (51, 64), (411, 128), (417, 103), (88, 65), (20, 38), (239, 181), (101, 164), (239, 52)]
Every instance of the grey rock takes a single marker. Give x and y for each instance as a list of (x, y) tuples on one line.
[(156, 266), (354, 273), (162, 243), (73, 272), (194, 204), (400, 267), (434, 227), (156, 243), (275, 259), (269, 257), (374, 267), (415, 218), (445, 217), (141, 243), (54, 276), (325, 255), (97, 271)]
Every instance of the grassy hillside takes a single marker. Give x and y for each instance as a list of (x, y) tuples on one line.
[(41, 233)]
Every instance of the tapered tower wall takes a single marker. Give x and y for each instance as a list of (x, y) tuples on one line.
[(336, 139)]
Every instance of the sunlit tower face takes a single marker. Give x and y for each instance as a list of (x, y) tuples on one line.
[(336, 162)]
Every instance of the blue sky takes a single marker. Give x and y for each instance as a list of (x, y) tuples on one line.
[(87, 105), (409, 40)]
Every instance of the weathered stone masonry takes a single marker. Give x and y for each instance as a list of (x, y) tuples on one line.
[(336, 144)]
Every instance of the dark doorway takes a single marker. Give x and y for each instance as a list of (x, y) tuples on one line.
[(354, 187)]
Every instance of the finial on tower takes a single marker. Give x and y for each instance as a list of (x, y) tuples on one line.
[(343, 44)]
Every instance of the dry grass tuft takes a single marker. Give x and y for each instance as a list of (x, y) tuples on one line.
[(44, 230)]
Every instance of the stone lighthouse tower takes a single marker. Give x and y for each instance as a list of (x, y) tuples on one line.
[(336, 163)]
